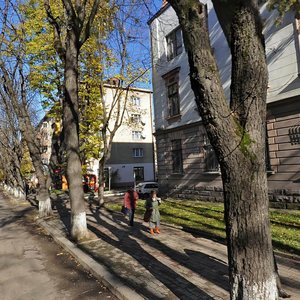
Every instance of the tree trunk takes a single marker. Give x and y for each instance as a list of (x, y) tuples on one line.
[(101, 181), (245, 187), (71, 134), (249, 244), (43, 194), (29, 135), (42, 173), (242, 161)]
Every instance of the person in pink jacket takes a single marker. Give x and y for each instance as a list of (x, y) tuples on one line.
[(130, 199)]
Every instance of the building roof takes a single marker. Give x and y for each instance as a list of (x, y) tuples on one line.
[(162, 9)]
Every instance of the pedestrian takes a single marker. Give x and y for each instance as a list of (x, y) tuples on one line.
[(152, 203), (130, 199)]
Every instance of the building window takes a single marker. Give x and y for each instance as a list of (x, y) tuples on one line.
[(172, 90), (136, 118), (177, 162), (138, 173), (45, 124), (138, 152), (211, 162), (269, 169), (174, 43), (136, 100), (136, 135), (173, 99)]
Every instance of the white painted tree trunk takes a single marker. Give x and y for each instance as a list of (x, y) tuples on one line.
[(45, 208), (266, 290), (79, 227), (22, 195), (16, 192)]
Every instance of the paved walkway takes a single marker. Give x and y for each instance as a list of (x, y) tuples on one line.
[(172, 265), (33, 266), (135, 265)]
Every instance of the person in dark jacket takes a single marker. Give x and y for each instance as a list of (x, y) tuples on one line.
[(130, 199), (152, 203)]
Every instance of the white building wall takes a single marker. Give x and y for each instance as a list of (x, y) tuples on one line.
[(124, 133), (160, 28), (282, 51), (125, 172), (283, 58), (124, 136)]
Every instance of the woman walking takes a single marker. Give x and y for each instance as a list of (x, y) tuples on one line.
[(152, 204), (130, 199)]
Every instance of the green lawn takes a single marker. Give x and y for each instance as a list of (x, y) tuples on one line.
[(207, 219)]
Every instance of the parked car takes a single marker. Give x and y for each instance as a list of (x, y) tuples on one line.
[(144, 188)]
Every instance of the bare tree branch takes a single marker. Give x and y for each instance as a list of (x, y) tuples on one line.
[(57, 31), (87, 29)]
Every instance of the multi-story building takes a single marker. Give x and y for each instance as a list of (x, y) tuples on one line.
[(132, 154), (45, 137), (186, 161)]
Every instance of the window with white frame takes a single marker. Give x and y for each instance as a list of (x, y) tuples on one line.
[(136, 100), (138, 152), (136, 135), (135, 118), (172, 91), (174, 43), (173, 99)]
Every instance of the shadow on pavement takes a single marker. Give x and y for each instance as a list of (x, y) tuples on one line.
[(160, 271)]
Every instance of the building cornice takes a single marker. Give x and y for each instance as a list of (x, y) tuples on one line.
[(167, 130), (110, 86), (163, 9)]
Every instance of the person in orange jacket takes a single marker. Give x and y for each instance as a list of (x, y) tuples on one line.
[(130, 199)]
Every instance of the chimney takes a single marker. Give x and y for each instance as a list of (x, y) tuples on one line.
[(164, 3)]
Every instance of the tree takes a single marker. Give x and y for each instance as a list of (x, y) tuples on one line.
[(15, 94), (242, 162), (11, 149), (284, 6), (28, 133), (128, 67), (71, 31), (113, 62)]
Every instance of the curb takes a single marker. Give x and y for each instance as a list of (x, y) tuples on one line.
[(112, 282)]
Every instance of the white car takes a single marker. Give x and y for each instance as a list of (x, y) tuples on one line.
[(144, 188)]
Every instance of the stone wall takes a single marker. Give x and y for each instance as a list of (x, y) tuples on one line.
[(289, 199), (282, 199)]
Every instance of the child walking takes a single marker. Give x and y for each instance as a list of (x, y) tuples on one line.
[(152, 204)]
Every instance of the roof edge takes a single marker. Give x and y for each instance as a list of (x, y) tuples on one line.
[(162, 9)]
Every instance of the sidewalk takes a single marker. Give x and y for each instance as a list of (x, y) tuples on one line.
[(172, 265)]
